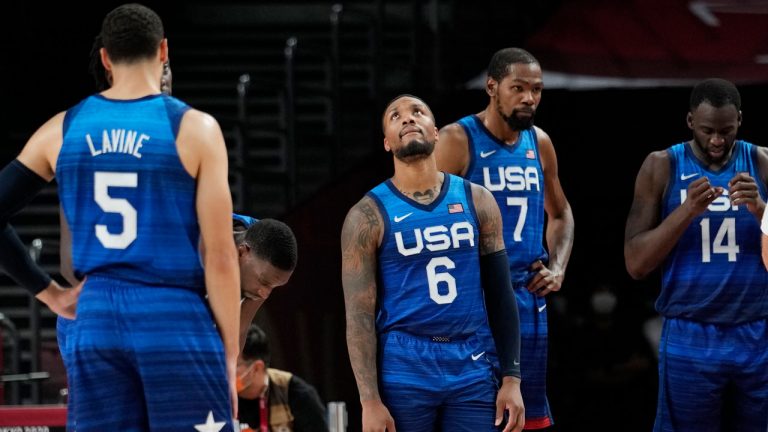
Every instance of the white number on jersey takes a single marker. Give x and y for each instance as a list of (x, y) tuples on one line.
[(435, 278), (102, 181), (523, 204), (727, 232)]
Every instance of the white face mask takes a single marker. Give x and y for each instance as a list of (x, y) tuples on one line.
[(603, 302)]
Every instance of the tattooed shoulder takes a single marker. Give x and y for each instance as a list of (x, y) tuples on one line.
[(362, 226), (489, 220)]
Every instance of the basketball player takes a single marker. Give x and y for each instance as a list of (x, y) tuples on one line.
[(420, 253), (696, 214), (125, 160), (501, 149)]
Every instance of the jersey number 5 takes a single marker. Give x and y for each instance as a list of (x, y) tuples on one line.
[(102, 181)]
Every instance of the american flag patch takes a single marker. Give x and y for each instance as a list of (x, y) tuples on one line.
[(455, 208), (530, 154)]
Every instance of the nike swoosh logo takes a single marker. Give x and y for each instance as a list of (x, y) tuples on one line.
[(399, 218), (477, 356), (516, 363), (687, 176), (486, 154), (541, 308)]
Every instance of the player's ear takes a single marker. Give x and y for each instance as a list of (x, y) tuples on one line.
[(689, 120), (739, 118), (243, 249), (105, 61), (491, 86), (386, 145), (163, 50)]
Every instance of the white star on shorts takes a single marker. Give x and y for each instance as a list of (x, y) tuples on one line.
[(210, 425)]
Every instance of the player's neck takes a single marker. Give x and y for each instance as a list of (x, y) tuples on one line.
[(133, 81), (496, 125), (420, 181)]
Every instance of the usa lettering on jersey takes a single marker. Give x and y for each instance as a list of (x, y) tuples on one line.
[(435, 238), (513, 178)]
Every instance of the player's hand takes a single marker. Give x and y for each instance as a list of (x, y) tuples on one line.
[(62, 301), (700, 195), (545, 280), (742, 189), (376, 417), (510, 400)]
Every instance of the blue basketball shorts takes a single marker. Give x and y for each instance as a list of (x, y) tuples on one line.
[(64, 327), (713, 377), (533, 357), (450, 386), (146, 358)]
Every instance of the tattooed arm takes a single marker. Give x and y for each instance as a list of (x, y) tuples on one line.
[(489, 218), (360, 237), (501, 306)]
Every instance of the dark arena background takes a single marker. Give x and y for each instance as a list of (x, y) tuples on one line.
[(299, 87)]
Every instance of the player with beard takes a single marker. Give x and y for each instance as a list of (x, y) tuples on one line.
[(424, 271), (501, 149), (696, 214)]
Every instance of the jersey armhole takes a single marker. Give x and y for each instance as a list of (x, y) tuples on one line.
[(471, 202), (672, 174), (470, 147)]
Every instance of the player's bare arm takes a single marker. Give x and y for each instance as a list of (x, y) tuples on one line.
[(646, 241), (560, 224), (248, 309), (203, 153), (360, 237), (452, 150), (39, 155)]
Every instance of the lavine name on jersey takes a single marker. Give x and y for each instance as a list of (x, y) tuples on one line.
[(435, 238), (514, 178), (118, 141)]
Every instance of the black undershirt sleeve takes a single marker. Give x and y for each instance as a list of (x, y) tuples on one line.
[(18, 185), (502, 310)]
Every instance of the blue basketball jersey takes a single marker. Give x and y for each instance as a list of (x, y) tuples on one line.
[(127, 198), (428, 263), (514, 176), (715, 273)]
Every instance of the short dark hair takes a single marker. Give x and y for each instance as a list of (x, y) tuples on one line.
[(273, 241), (256, 345), (131, 32), (498, 68), (715, 91)]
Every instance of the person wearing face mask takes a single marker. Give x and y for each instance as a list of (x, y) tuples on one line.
[(273, 400)]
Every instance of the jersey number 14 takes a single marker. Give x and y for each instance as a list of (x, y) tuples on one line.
[(724, 242)]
